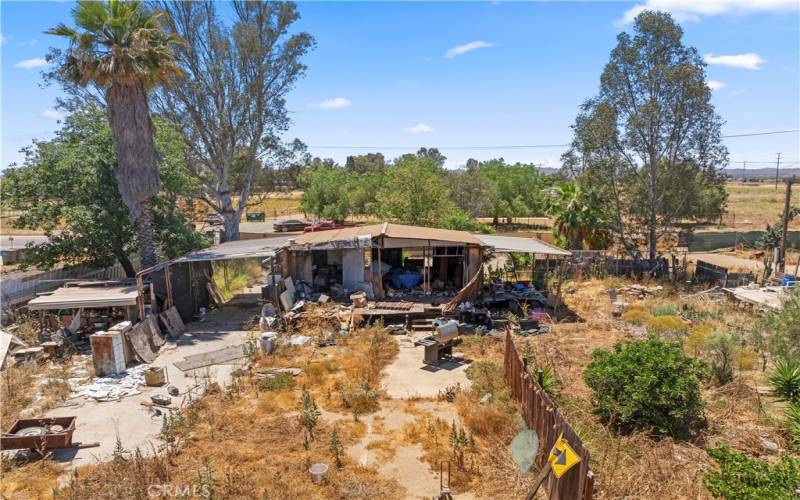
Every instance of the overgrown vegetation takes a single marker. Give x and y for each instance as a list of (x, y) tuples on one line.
[(649, 385), (742, 478)]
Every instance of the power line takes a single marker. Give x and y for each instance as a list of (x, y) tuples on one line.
[(526, 146)]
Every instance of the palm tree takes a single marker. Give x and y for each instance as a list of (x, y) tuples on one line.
[(577, 219), (121, 49)]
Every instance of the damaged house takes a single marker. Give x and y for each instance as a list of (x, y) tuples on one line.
[(383, 260)]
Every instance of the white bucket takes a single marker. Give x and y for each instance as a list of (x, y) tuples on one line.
[(319, 473), (267, 342)]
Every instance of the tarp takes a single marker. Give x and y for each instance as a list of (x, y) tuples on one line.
[(74, 297)]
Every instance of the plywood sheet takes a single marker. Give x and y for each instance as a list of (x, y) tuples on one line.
[(211, 358), (139, 337)]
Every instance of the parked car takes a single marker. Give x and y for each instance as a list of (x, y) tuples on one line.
[(214, 219), (285, 226), (324, 226)]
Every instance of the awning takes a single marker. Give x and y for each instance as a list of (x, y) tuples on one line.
[(506, 244), (74, 297), (241, 249)]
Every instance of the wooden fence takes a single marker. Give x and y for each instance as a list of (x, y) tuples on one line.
[(542, 416)]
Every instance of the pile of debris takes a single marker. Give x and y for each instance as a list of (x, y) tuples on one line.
[(111, 388), (640, 291)]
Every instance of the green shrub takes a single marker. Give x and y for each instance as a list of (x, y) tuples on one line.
[(648, 384), (785, 380), (723, 349), (666, 310), (487, 378), (666, 326), (793, 421), (277, 383), (744, 478), (636, 316)]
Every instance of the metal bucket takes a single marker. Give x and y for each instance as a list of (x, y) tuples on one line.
[(319, 473)]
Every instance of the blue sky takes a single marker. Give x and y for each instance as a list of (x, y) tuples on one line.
[(405, 75)]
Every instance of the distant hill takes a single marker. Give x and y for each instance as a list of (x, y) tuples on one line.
[(761, 173)]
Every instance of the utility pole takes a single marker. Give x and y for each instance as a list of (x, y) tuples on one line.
[(785, 223), (744, 167), (777, 169)]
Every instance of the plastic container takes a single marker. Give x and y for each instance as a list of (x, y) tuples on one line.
[(319, 473), (267, 342), (788, 280)]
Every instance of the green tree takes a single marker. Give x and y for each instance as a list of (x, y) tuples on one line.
[(517, 190), (471, 192), (414, 192), (578, 217), (325, 192), (63, 189), (779, 331), (650, 141), (373, 163), (120, 47), (309, 412), (647, 384), (230, 102)]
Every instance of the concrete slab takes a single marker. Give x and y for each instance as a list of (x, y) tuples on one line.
[(407, 377), (136, 425)]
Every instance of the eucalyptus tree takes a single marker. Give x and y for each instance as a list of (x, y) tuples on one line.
[(120, 48), (650, 142), (230, 101)]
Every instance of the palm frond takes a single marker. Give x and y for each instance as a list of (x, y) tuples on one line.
[(785, 381)]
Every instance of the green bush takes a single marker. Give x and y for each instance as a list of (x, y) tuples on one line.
[(666, 310), (723, 348), (647, 384), (744, 478)]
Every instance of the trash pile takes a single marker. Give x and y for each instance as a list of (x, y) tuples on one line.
[(112, 388), (640, 291)]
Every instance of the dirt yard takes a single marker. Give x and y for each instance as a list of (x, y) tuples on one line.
[(391, 424)]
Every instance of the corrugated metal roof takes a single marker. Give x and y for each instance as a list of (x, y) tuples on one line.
[(73, 297), (389, 230), (348, 233), (505, 244), (242, 249), (429, 233)]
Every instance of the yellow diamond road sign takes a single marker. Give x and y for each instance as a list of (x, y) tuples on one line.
[(562, 458)]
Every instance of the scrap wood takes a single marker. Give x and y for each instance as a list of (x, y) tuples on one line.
[(465, 293), (172, 322), (156, 337), (216, 295), (272, 372), (140, 342), (217, 357)]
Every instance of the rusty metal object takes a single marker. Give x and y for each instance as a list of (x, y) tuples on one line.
[(39, 434)]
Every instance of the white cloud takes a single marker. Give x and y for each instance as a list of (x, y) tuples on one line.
[(715, 85), (693, 10), (467, 47), (29, 43), (751, 60), (32, 63), (50, 114), (2, 39), (420, 128), (335, 103)]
